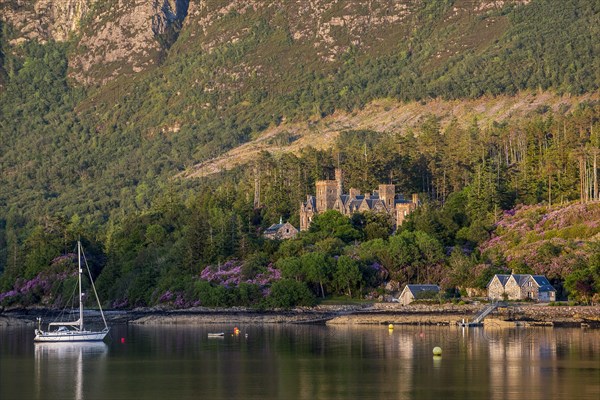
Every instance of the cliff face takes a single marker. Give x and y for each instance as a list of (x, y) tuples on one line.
[(120, 37), (44, 20), (126, 37), (112, 37), (331, 27)]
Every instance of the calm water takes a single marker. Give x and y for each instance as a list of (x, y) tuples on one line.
[(305, 362)]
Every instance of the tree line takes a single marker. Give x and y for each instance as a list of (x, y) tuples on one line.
[(199, 242)]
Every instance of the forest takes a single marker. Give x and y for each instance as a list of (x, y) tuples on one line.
[(98, 164), (200, 243)]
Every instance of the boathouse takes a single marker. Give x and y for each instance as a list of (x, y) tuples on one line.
[(411, 293)]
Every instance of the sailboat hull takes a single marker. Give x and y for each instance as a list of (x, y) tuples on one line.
[(72, 336)]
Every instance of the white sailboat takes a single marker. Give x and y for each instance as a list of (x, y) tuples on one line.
[(73, 331)]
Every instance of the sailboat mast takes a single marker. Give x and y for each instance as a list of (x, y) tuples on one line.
[(80, 299)]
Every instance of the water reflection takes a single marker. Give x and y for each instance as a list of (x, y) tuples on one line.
[(305, 362), (541, 363), (60, 366)]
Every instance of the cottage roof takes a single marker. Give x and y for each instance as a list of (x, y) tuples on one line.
[(274, 228), (521, 278), (423, 288), (541, 280), (501, 277), (543, 283), (356, 202), (402, 201), (547, 288), (311, 201), (344, 198)]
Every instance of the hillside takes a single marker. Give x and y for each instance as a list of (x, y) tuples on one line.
[(140, 91), (390, 117), (479, 106), (553, 241)]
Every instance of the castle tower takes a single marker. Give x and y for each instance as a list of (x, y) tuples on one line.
[(387, 194), (327, 193)]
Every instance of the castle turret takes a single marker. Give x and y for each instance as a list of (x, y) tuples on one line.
[(387, 194)]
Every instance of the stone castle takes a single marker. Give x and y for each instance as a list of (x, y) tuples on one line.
[(330, 196)]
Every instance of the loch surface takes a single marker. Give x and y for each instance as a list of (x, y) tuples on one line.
[(305, 362)]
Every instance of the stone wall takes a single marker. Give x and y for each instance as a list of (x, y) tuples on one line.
[(513, 290), (406, 297), (496, 290)]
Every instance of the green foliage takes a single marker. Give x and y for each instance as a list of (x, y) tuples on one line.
[(211, 296), (317, 268), (347, 274), (288, 293), (98, 162), (333, 224)]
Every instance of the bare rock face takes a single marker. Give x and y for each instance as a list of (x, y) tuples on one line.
[(126, 38), (44, 20), (114, 36), (122, 37)]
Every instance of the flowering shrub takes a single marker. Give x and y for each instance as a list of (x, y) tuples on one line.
[(120, 303), (44, 287), (230, 275), (177, 300), (546, 240)]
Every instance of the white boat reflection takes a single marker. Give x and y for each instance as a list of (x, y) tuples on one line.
[(61, 364)]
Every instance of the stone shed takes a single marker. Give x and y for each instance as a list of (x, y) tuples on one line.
[(280, 231), (411, 293)]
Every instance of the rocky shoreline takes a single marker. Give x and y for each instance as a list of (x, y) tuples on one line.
[(371, 314)]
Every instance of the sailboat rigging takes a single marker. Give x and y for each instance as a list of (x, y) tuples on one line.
[(73, 331)]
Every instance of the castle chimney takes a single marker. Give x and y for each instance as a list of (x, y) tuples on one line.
[(339, 177)]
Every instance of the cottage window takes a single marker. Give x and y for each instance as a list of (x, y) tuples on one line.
[(530, 294)]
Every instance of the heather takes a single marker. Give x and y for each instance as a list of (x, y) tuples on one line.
[(54, 288), (560, 242)]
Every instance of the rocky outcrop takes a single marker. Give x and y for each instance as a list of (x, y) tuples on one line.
[(126, 38), (120, 37), (44, 20), (114, 36)]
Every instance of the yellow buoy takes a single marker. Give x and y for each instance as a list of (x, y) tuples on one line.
[(391, 326), (437, 351)]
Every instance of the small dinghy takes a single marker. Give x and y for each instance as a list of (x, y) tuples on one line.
[(216, 335)]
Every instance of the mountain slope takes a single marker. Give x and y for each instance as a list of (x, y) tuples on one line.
[(387, 116), (153, 88)]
